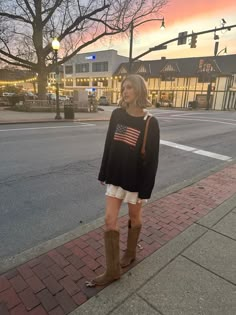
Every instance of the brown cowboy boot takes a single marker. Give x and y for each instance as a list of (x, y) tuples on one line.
[(112, 252), (130, 253)]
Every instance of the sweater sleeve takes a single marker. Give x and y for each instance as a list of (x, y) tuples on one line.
[(102, 173), (150, 163)]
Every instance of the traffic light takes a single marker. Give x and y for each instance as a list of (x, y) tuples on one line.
[(193, 43)]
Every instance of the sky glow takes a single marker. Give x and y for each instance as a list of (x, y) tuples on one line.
[(180, 16)]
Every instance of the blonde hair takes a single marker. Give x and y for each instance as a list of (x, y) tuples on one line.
[(140, 88)]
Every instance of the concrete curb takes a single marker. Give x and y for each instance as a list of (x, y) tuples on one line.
[(114, 295), (8, 263), (53, 121)]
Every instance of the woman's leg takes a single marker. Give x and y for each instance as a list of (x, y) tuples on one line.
[(112, 210), (111, 242), (135, 213), (134, 228)]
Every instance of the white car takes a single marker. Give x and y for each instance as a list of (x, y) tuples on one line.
[(7, 94), (64, 98), (52, 96)]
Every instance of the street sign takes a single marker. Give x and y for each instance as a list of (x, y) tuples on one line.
[(182, 38)]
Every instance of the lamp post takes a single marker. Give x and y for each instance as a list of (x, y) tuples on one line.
[(56, 47), (132, 27)]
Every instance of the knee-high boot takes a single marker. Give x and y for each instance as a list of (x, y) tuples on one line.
[(130, 253), (112, 252)]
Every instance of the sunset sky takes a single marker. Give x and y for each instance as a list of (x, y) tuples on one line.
[(180, 16)]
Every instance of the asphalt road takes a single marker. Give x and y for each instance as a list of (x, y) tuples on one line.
[(48, 172)]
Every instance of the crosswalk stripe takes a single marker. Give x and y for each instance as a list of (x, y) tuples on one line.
[(196, 151)]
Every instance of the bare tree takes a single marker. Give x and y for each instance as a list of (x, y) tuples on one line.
[(28, 26)]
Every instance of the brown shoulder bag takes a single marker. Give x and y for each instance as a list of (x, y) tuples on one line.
[(145, 137)]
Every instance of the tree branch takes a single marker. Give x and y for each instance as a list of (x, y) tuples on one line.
[(51, 11), (26, 62), (5, 44), (15, 17), (107, 25), (15, 63), (85, 45), (29, 8), (47, 49), (80, 19), (24, 35)]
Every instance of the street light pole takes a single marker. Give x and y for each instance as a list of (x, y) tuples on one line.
[(132, 26), (56, 47), (131, 45)]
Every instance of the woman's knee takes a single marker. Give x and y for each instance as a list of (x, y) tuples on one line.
[(135, 220), (110, 222), (135, 215), (112, 210)]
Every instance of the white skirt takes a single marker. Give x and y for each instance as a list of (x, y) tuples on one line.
[(125, 195)]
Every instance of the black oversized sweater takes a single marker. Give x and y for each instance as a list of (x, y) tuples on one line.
[(122, 164)]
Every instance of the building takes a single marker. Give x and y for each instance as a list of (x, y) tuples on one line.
[(93, 72), (15, 80), (206, 82)]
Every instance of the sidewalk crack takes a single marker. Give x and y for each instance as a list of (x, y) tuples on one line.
[(220, 233), (150, 304), (205, 268)]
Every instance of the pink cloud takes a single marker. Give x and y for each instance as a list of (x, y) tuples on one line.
[(180, 10)]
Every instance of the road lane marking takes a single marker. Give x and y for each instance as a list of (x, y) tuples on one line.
[(202, 120), (49, 127), (196, 151), (213, 155), (183, 115), (177, 146)]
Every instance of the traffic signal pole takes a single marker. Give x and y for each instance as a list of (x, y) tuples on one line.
[(163, 45)]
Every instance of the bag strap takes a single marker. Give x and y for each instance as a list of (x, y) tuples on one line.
[(145, 136)]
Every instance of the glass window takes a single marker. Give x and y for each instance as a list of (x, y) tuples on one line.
[(167, 77), (105, 82), (82, 67), (206, 78), (69, 82), (99, 82), (82, 82), (100, 66), (94, 83), (69, 69)]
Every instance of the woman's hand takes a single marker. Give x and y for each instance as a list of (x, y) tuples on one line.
[(102, 183)]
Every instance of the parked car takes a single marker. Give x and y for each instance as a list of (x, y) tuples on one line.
[(30, 95), (52, 97), (64, 98), (103, 101), (6, 94)]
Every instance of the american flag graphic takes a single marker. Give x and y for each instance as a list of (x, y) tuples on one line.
[(126, 134)]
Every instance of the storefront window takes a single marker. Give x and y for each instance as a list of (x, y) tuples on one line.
[(69, 69)]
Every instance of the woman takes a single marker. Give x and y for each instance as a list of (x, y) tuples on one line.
[(129, 177)]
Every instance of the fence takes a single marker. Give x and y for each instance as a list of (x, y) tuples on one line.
[(42, 105)]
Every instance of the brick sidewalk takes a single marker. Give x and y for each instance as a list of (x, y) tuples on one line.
[(54, 282)]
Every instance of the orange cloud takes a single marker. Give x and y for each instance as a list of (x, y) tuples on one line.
[(180, 10)]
